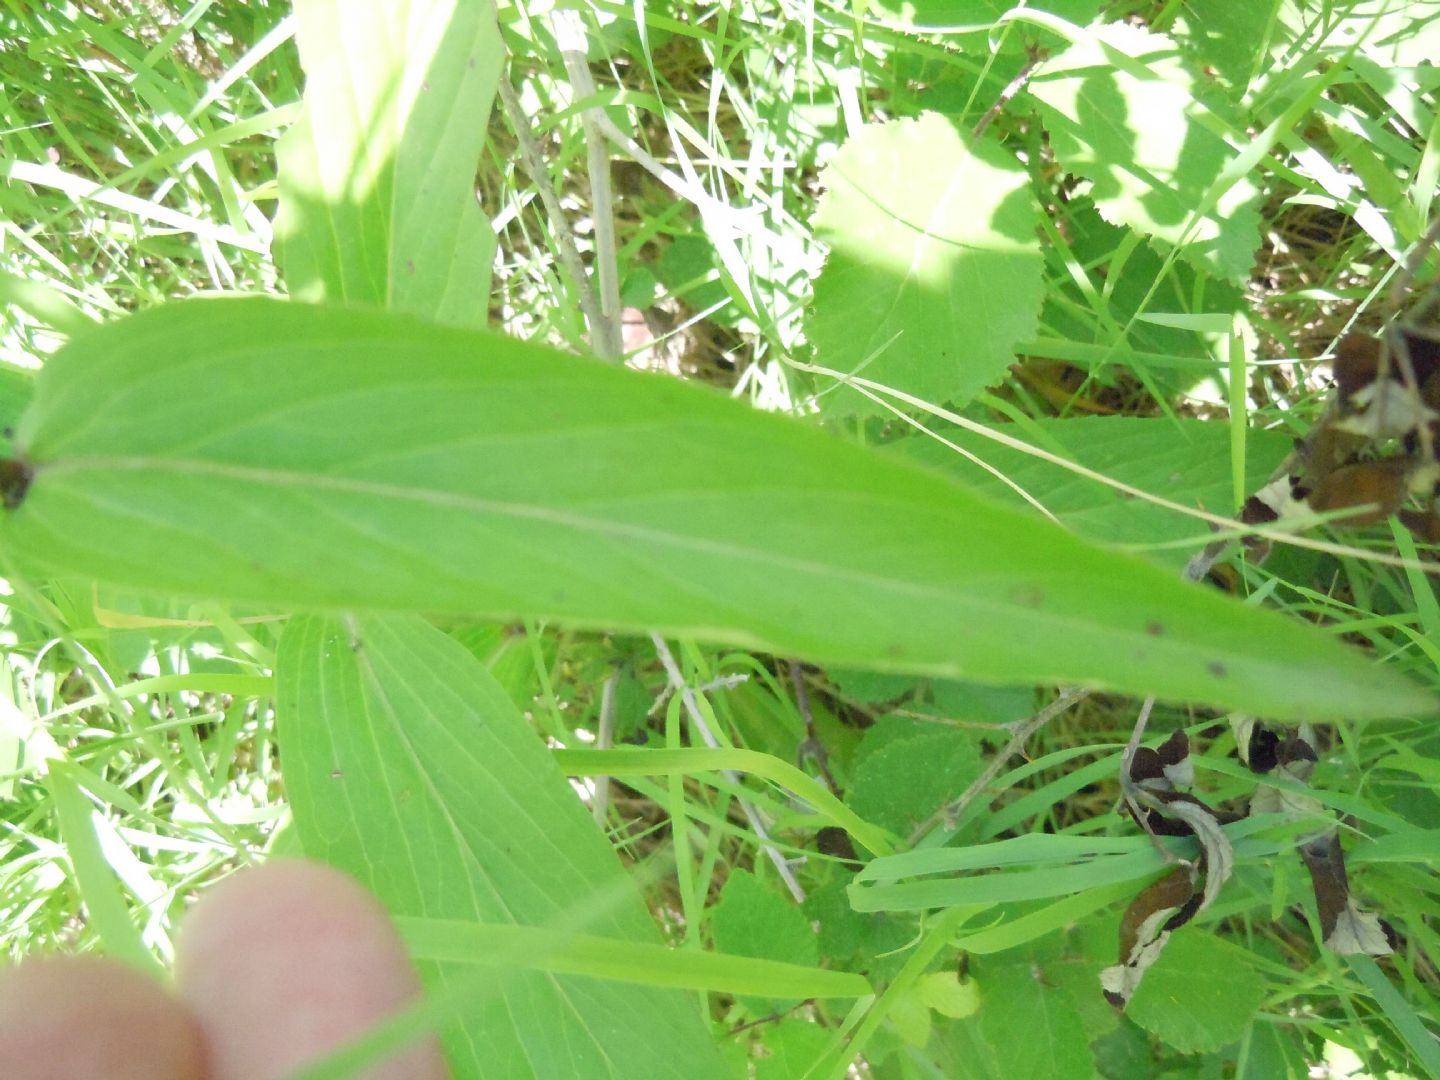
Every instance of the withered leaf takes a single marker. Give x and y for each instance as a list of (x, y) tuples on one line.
[(1151, 785), (1345, 928)]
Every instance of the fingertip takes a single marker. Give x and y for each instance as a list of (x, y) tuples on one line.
[(288, 961), (85, 1017)]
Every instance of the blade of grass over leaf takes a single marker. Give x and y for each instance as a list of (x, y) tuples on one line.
[(543, 949), (1054, 865), (408, 766), (305, 456), (1400, 1012)]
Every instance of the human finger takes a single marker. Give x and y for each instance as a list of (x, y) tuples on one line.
[(90, 1018), (289, 961)]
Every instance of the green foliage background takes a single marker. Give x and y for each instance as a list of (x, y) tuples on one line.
[(367, 571)]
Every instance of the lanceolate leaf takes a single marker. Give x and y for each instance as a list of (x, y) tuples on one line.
[(276, 453), (934, 271), (407, 765), (377, 180)]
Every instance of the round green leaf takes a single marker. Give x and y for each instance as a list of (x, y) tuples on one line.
[(1200, 995), (1123, 111), (751, 920), (934, 271), (908, 779)]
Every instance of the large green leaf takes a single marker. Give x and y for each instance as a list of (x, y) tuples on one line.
[(408, 766), (1123, 113), (934, 271), (1234, 40), (16, 387), (308, 457), (377, 179)]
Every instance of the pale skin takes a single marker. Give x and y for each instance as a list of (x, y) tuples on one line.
[(275, 967)]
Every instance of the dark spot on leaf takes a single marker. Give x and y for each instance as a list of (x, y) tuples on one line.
[(15, 477), (1031, 596), (1154, 629), (894, 652), (410, 266), (336, 774), (1216, 668)]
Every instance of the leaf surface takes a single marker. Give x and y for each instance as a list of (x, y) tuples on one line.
[(1122, 112), (409, 767), (1187, 1002), (275, 453), (793, 1046), (1032, 1028), (750, 919), (1185, 461), (934, 271), (901, 783), (377, 179), (1131, 283)]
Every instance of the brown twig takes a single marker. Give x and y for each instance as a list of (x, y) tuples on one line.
[(1009, 92)]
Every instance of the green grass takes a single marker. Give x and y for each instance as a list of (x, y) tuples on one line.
[(165, 720)]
